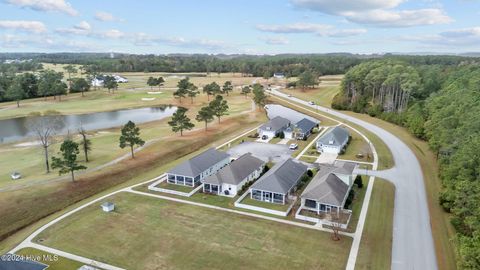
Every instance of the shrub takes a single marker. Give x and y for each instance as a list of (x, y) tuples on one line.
[(359, 181)]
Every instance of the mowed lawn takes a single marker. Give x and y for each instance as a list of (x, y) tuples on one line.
[(150, 233)]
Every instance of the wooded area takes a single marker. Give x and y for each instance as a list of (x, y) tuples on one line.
[(441, 104)]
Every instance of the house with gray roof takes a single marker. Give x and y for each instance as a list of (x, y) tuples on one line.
[(329, 188), (304, 128), (192, 171), (231, 178), (279, 182), (333, 141), (274, 127)]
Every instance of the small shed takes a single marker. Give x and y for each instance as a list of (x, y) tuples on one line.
[(108, 207), (16, 175)]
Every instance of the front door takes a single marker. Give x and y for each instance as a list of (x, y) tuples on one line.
[(267, 197)]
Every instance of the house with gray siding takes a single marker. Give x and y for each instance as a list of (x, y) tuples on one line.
[(333, 141), (192, 171), (231, 178), (279, 182), (329, 189)]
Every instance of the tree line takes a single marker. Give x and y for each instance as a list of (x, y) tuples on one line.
[(440, 104)]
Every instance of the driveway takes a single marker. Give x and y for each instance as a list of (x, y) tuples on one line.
[(413, 246), (328, 158), (265, 151)]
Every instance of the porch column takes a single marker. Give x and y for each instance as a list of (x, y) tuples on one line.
[(283, 199), (318, 207), (251, 194)]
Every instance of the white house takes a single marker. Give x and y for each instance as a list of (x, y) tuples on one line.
[(192, 171), (330, 187), (97, 82), (333, 141), (108, 207), (278, 75), (231, 178), (274, 127)]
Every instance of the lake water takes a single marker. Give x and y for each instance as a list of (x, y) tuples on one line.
[(16, 129)]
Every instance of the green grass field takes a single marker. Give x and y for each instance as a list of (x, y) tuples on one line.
[(150, 233), (356, 146), (375, 251), (54, 262)]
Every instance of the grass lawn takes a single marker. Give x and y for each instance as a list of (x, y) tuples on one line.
[(356, 205), (150, 233), (355, 146), (275, 140), (54, 262), (375, 251), (321, 95), (180, 188), (273, 206), (308, 159)]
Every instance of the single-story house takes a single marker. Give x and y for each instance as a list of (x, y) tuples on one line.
[(278, 75), (108, 207), (192, 171), (333, 141), (231, 178), (274, 127), (329, 188), (303, 128), (279, 182)]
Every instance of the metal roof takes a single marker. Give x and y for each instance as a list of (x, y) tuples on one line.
[(199, 163), (236, 171)]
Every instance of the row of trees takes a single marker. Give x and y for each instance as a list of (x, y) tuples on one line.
[(438, 103)]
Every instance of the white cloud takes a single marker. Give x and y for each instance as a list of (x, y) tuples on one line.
[(45, 5), (142, 39), (464, 37), (42, 42), (339, 7), (319, 29), (276, 40), (82, 28), (380, 13), (106, 17), (113, 33), (295, 28), (29, 26), (403, 18)]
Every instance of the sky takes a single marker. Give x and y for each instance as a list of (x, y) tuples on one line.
[(240, 27)]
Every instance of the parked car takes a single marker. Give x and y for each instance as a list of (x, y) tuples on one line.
[(293, 146), (264, 137), (311, 103)]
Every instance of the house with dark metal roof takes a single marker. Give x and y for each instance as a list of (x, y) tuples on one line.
[(303, 128), (274, 127), (333, 141), (231, 178), (279, 182), (329, 188), (192, 171)]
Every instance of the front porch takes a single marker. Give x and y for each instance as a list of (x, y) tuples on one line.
[(182, 180)]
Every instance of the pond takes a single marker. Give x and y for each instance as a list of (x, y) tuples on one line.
[(17, 129)]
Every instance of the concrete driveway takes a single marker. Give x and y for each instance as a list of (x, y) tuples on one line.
[(327, 158), (264, 151), (413, 246)]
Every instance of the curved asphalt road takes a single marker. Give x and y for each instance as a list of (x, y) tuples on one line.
[(413, 246)]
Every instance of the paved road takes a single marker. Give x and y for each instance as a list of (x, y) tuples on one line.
[(413, 246)]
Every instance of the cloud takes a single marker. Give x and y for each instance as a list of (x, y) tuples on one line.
[(464, 37), (319, 29), (106, 17), (142, 39), (113, 33), (45, 5), (379, 13), (294, 28), (82, 28), (29, 26), (276, 40)]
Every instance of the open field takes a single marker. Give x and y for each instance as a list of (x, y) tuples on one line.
[(30, 160), (36, 203), (189, 237), (56, 263), (375, 251), (322, 94), (357, 145)]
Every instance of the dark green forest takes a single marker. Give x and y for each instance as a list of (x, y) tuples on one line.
[(439, 103)]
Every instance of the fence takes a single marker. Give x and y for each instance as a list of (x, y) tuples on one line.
[(261, 209), (163, 178)]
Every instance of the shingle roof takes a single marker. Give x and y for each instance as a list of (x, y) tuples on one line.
[(335, 136), (199, 163), (326, 186), (236, 171), (305, 125), (275, 124), (281, 177)]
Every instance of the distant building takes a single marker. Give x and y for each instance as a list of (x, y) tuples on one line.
[(278, 75), (108, 207)]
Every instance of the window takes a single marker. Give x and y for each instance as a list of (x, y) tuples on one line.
[(171, 178), (206, 187), (214, 188), (180, 180), (310, 203), (189, 181), (277, 198), (197, 178), (257, 194)]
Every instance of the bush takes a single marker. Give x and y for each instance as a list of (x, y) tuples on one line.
[(359, 181), (350, 198), (310, 173)]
